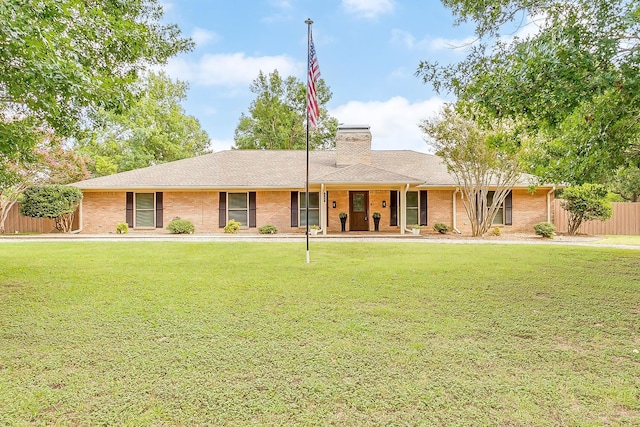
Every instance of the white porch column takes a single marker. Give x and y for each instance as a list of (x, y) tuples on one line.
[(323, 209), (402, 211)]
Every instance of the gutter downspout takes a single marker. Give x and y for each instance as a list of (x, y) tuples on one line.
[(80, 220), (455, 210), (549, 203)]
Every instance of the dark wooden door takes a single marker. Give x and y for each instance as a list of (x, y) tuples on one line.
[(358, 211)]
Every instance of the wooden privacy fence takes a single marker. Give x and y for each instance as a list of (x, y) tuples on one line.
[(24, 224), (625, 220)]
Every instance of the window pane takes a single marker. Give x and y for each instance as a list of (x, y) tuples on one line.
[(499, 218), (145, 201), (358, 202), (412, 199), (237, 200), (144, 218), (240, 216), (412, 216), (314, 200), (314, 217)]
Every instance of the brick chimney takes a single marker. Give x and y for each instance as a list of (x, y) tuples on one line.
[(353, 145)]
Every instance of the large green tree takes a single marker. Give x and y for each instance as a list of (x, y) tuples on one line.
[(61, 58), (154, 130), (575, 81), (276, 119)]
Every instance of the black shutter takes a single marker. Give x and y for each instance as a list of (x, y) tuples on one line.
[(508, 210), (129, 215), (294, 208), (252, 209), (159, 209), (222, 210), (393, 208), (423, 207)]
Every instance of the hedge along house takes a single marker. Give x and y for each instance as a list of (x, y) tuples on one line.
[(262, 187)]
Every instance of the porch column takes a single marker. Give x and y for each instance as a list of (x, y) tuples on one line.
[(402, 209), (323, 210)]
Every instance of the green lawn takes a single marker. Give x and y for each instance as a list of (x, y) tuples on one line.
[(177, 333)]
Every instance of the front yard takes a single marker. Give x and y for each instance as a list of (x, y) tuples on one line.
[(176, 333)]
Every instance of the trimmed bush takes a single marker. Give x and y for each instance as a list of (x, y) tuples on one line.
[(268, 229), (122, 228), (181, 226), (495, 231), (57, 202), (441, 228), (545, 229), (232, 227)]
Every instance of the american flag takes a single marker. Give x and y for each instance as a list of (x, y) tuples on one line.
[(313, 109)]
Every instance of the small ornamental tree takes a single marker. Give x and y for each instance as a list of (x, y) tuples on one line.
[(585, 202), (57, 202)]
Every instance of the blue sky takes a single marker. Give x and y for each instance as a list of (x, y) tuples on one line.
[(368, 51)]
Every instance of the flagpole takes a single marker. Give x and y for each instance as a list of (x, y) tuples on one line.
[(308, 22)]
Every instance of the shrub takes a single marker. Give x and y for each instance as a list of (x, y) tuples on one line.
[(268, 229), (545, 229), (495, 231), (181, 226), (585, 202), (122, 228), (441, 228), (57, 202), (232, 227), (376, 215)]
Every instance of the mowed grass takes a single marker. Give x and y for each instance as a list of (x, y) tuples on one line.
[(177, 333)]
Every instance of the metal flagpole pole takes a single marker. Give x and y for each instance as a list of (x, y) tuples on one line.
[(308, 22)]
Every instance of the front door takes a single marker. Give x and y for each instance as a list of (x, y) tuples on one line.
[(358, 211)]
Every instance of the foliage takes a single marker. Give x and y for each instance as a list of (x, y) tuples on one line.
[(53, 201), (495, 231), (232, 227), (479, 159), (627, 183), (545, 229), (441, 228), (573, 80), (155, 130), (585, 202), (49, 162), (342, 215), (122, 228), (268, 229), (193, 333), (62, 58), (277, 117), (376, 215), (181, 226)]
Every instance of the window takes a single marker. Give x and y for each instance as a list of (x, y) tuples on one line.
[(238, 208), (499, 218), (145, 210), (412, 210), (314, 209)]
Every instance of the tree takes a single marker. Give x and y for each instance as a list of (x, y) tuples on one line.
[(154, 130), (50, 162), (627, 183), (61, 58), (585, 202), (53, 201), (574, 82), (276, 119), (480, 159)]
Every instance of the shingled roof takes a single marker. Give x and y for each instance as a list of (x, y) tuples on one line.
[(262, 169)]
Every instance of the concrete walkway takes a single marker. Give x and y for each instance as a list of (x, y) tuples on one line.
[(300, 238)]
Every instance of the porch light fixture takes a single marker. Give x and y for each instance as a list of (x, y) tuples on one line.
[(333, 204), (384, 203)]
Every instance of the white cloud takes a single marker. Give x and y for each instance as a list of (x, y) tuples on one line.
[(407, 40), (220, 144), (201, 36), (368, 8), (231, 69), (167, 6), (394, 123)]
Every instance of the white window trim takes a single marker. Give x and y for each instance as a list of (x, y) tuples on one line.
[(301, 195), (417, 208), (135, 211)]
